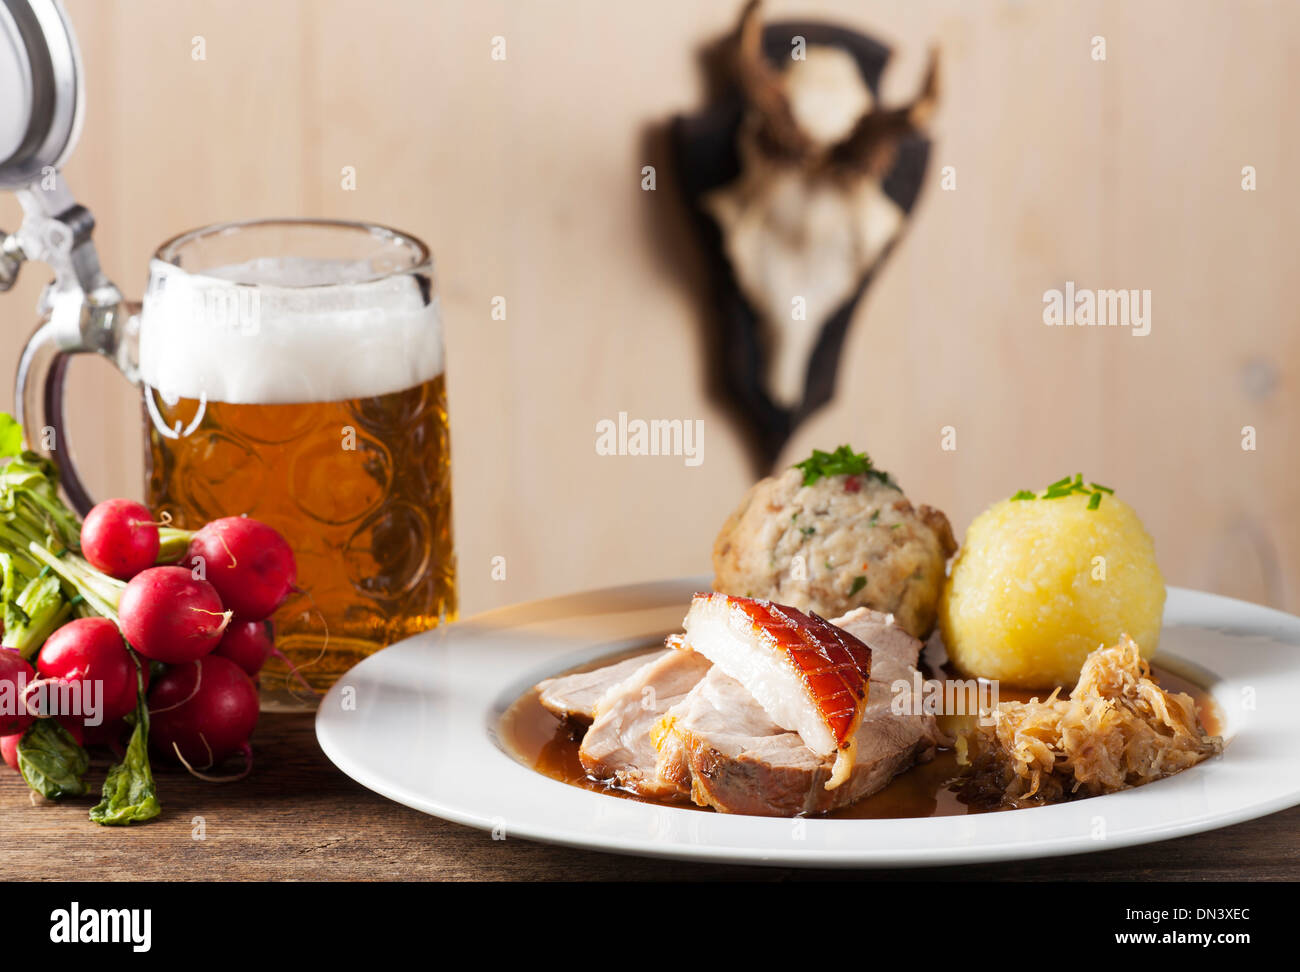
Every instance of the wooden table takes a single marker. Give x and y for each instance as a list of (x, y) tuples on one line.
[(298, 818)]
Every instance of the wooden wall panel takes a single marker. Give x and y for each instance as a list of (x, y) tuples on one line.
[(524, 176)]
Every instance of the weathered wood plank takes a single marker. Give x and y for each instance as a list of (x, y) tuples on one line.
[(297, 819)]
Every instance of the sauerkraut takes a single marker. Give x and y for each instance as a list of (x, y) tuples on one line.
[(1117, 729)]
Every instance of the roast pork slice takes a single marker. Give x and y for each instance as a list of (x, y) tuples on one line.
[(717, 705), (774, 774), (670, 760), (618, 746), (738, 760), (808, 675), (893, 651), (574, 697)]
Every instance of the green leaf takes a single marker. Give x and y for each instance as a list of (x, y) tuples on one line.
[(51, 761), (11, 435), (859, 582), (1069, 486), (32, 616), (129, 792), (842, 462)]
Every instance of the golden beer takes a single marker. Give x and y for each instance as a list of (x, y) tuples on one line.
[(361, 489), (293, 371)]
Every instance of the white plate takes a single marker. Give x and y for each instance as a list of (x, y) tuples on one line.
[(417, 722)]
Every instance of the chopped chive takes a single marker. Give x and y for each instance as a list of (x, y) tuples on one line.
[(1069, 486)]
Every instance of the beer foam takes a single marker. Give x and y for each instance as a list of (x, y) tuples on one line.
[(279, 331)]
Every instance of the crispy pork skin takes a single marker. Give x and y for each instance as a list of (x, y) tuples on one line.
[(574, 697), (618, 745), (808, 675)]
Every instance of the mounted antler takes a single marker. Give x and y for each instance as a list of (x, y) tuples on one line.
[(777, 131), (872, 147), (812, 211)]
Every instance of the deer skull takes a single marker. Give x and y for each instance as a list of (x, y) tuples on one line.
[(807, 219)]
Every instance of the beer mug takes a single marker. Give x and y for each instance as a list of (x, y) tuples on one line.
[(290, 370)]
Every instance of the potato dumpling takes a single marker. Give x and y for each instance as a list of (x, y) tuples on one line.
[(1040, 583), (845, 540)]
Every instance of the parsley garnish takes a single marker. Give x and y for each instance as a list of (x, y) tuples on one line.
[(842, 462), (859, 582), (1068, 486)]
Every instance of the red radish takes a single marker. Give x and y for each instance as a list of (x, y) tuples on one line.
[(15, 676), (116, 707), (206, 709), (248, 644), (74, 730), (91, 650), (120, 538), (249, 564), (110, 732), (169, 615)]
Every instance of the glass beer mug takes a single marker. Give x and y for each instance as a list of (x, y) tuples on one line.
[(290, 370)]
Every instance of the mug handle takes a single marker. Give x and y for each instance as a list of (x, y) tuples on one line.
[(74, 326)]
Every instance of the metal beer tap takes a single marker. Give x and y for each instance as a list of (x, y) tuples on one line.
[(41, 112)]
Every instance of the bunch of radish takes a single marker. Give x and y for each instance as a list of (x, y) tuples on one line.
[(191, 635)]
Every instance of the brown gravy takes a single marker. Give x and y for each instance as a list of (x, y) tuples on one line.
[(537, 739)]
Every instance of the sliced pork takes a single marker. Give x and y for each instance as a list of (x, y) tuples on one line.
[(772, 773), (893, 651), (738, 760), (574, 697), (618, 746), (808, 675), (674, 725)]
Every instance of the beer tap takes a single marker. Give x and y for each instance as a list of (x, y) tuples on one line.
[(40, 121)]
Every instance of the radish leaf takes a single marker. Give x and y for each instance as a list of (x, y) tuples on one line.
[(129, 792), (11, 435), (51, 761)]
